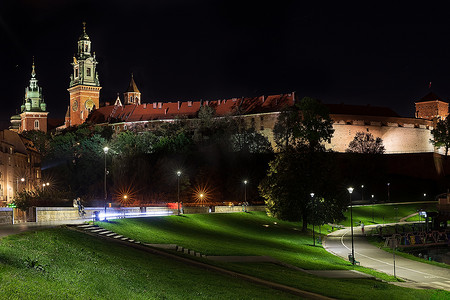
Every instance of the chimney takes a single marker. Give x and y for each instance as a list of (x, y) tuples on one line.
[(145, 105), (154, 104)]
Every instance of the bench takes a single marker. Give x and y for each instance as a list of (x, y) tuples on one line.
[(352, 260)]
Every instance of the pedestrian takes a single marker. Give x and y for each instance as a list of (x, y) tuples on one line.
[(362, 227)]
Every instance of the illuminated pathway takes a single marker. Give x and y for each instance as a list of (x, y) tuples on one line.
[(417, 274)]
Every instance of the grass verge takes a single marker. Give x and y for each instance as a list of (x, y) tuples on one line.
[(256, 234)]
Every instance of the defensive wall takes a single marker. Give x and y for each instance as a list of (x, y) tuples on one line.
[(399, 135)]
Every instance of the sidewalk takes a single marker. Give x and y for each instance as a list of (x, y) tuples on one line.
[(8, 229), (416, 273)]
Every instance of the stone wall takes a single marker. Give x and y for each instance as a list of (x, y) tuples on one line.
[(6, 215), (396, 139)]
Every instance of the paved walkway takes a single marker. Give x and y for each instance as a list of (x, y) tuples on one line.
[(417, 274), (29, 226)]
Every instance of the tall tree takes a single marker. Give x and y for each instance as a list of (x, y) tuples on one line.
[(441, 135), (364, 142), (303, 165)]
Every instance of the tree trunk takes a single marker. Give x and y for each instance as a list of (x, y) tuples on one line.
[(305, 221)]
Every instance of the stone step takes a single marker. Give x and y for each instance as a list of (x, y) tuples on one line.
[(91, 228), (131, 241), (124, 238), (98, 230), (111, 234), (118, 236), (104, 232), (84, 225)]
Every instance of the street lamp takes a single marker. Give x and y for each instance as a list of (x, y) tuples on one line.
[(105, 150), (372, 208), (245, 193), (178, 200), (314, 219), (388, 185), (21, 180), (350, 191), (362, 192)]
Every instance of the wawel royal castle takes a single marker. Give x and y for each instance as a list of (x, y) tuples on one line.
[(399, 134)]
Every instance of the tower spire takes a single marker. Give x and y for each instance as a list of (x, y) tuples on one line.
[(84, 27), (33, 72)]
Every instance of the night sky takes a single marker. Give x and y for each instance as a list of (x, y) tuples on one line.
[(191, 50)]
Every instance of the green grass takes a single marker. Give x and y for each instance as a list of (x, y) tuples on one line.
[(385, 213), (256, 234), (63, 264)]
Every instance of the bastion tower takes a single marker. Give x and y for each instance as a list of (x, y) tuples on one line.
[(84, 87)]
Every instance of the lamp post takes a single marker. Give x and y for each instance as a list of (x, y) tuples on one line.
[(105, 150), (314, 219), (372, 208), (17, 187), (362, 192), (389, 196), (178, 199), (350, 191), (245, 193)]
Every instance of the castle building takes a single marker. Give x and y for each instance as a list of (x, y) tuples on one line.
[(20, 166), (84, 87), (34, 113)]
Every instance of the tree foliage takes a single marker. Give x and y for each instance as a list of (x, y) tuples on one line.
[(303, 166), (307, 123), (441, 135), (364, 142)]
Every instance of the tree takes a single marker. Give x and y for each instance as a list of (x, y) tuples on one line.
[(441, 135), (364, 142), (292, 176), (303, 166), (307, 123)]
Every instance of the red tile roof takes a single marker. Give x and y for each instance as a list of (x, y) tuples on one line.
[(171, 110), (430, 97)]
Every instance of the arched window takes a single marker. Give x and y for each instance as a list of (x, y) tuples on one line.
[(36, 124)]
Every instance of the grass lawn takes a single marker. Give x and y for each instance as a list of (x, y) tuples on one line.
[(256, 234), (62, 264), (385, 213)]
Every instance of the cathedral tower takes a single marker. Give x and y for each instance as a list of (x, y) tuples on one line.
[(132, 95), (34, 113), (84, 87)]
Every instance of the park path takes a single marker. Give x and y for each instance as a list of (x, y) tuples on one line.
[(416, 274)]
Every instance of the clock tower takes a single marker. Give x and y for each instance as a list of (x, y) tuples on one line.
[(84, 87)]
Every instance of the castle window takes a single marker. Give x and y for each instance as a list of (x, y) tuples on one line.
[(124, 127), (76, 72), (88, 72)]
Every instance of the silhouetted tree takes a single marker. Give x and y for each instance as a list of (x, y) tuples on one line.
[(364, 142)]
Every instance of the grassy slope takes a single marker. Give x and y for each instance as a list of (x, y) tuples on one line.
[(390, 214), (245, 234), (62, 264)]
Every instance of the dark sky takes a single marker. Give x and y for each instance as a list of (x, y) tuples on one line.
[(190, 50)]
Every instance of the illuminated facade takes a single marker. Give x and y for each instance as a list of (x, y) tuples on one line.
[(431, 107), (34, 113), (20, 166), (84, 87)]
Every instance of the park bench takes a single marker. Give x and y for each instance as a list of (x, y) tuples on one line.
[(352, 260)]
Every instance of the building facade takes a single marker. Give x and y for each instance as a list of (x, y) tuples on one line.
[(84, 87), (431, 107), (20, 166)]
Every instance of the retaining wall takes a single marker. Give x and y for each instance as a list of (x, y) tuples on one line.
[(6, 215)]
